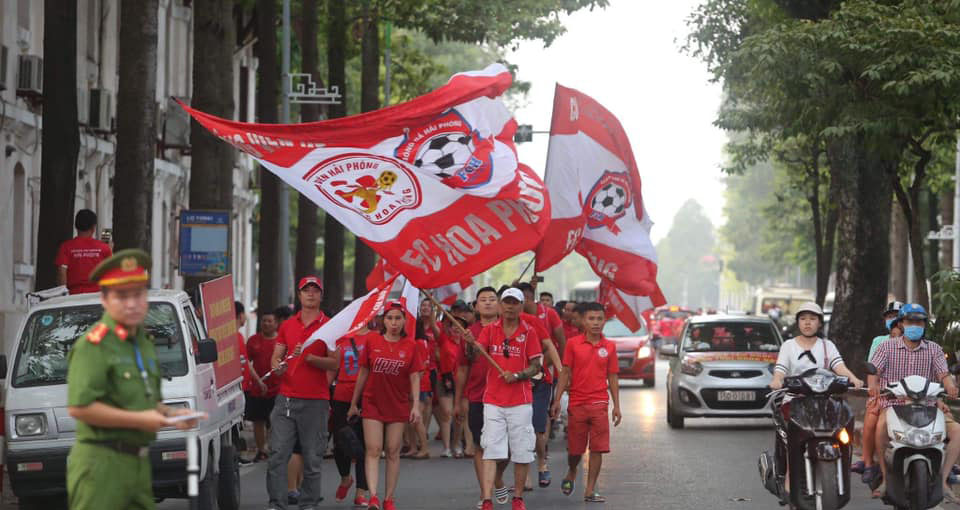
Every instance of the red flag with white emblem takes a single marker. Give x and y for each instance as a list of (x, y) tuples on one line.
[(619, 304), (596, 204), (433, 185)]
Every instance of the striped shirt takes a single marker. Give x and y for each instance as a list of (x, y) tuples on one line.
[(895, 361)]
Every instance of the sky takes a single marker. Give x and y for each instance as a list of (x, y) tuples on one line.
[(628, 58)]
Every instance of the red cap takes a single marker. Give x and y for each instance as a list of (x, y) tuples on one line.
[(310, 280)]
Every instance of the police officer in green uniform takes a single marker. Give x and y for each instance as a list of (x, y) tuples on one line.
[(113, 391)]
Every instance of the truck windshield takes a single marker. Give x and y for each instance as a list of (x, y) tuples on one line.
[(49, 334)]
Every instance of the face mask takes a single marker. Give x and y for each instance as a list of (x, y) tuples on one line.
[(913, 332), (889, 323)]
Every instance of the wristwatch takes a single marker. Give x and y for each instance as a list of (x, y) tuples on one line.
[(518, 376)]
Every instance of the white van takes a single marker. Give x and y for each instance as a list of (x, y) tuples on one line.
[(40, 431)]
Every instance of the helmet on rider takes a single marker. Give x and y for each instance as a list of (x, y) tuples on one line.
[(809, 307), (893, 307), (913, 311)]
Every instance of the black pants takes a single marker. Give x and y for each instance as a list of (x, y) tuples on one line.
[(338, 411)]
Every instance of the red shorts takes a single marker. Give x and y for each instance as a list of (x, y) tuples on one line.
[(588, 424), (371, 412)]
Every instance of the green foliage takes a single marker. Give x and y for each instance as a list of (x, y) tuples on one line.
[(687, 260), (946, 309)]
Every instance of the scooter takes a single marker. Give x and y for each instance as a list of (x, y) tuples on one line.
[(814, 441), (917, 431)]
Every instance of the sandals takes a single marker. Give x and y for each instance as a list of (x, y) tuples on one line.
[(871, 476), (594, 497), (544, 477), (566, 486), (420, 456)]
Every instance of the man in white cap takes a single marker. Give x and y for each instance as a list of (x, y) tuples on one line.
[(507, 411)]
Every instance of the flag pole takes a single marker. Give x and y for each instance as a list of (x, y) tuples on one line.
[(534, 259), (463, 332)]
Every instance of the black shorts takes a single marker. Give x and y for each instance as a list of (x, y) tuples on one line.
[(258, 408), (475, 421)]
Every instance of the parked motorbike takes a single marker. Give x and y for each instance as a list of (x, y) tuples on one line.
[(813, 440), (917, 432)]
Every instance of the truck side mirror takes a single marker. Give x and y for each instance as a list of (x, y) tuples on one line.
[(206, 351), (872, 370), (3, 366)]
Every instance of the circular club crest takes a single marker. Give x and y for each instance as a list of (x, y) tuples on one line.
[(374, 187), (603, 352), (449, 149), (608, 201)]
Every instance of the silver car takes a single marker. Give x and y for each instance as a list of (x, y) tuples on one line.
[(721, 368)]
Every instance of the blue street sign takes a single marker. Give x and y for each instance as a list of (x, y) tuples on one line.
[(204, 243)]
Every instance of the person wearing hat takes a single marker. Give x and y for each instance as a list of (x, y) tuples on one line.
[(113, 391), (301, 409)]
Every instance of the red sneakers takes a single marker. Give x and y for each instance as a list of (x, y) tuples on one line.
[(487, 505), (374, 503), (342, 490), (388, 505), (360, 501), (518, 504)]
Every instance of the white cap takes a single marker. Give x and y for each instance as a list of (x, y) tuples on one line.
[(513, 292)]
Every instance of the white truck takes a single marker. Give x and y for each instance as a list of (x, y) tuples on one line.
[(40, 432)]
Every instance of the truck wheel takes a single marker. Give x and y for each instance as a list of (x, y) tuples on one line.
[(228, 497), (208, 487), (44, 503)]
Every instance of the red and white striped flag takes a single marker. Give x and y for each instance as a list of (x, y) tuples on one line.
[(596, 203), (433, 185), (352, 318), (627, 308), (446, 294)]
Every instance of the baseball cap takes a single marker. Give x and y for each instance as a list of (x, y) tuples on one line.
[(308, 280), (460, 305), (514, 293)]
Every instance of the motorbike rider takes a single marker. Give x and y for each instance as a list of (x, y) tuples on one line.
[(903, 356), (891, 316), (805, 351)]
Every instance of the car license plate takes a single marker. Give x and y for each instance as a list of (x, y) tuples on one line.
[(626, 362), (736, 396)]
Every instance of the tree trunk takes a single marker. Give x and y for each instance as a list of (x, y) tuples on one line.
[(333, 278), (364, 257), (60, 137), (211, 160), (136, 126), (863, 261), (268, 277), (830, 234), (909, 200), (898, 254), (306, 256)]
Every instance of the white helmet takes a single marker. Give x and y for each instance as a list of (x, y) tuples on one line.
[(810, 307)]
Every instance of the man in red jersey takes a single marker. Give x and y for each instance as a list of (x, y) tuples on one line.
[(259, 401), (571, 326), (590, 367), (78, 256), (508, 411), (301, 409)]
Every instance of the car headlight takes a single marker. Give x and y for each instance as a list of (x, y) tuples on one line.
[(819, 382), (691, 367), (917, 437), (31, 425), (644, 352)]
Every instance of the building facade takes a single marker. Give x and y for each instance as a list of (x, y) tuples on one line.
[(21, 44)]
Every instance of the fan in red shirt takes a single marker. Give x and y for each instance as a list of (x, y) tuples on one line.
[(77, 257), (549, 327), (426, 343), (389, 381), (259, 400), (569, 319), (508, 411), (304, 400), (590, 367), (350, 349)]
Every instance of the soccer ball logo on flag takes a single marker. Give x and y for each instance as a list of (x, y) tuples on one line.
[(608, 201), (374, 187), (451, 150)]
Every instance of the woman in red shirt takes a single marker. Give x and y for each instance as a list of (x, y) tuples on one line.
[(389, 380), (350, 350), (418, 431), (450, 346)]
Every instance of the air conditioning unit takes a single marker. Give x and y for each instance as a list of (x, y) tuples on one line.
[(83, 106), (176, 125), (100, 100), (30, 75), (3, 67)]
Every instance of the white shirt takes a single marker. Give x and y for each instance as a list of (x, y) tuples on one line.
[(792, 360)]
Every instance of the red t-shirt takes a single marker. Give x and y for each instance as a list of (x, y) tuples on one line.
[(523, 347), (449, 349), (386, 396), (349, 366), (589, 366), (476, 368), (303, 380), (542, 333), (423, 347), (80, 255), (550, 317), (570, 331), (260, 352)]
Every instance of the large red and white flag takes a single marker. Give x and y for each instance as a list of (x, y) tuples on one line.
[(352, 318), (446, 294), (595, 197), (433, 185), (627, 308)]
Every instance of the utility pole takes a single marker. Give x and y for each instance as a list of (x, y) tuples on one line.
[(956, 211), (285, 285)]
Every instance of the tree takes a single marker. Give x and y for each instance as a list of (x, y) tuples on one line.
[(136, 125), (687, 270), (60, 135), (211, 160), (269, 248), (306, 254), (364, 257), (333, 231)]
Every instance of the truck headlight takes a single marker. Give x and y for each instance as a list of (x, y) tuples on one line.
[(31, 425), (644, 352)]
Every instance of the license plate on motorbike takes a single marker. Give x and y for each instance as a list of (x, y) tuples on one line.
[(736, 396)]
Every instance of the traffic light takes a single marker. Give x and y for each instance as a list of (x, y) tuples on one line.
[(524, 133)]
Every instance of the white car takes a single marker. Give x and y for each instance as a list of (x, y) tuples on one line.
[(721, 368)]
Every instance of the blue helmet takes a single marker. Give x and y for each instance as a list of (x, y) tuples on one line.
[(913, 311)]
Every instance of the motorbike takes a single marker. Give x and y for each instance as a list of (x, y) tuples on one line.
[(812, 444), (917, 431)]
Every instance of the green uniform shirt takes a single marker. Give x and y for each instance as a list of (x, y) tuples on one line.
[(876, 343), (106, 371)]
